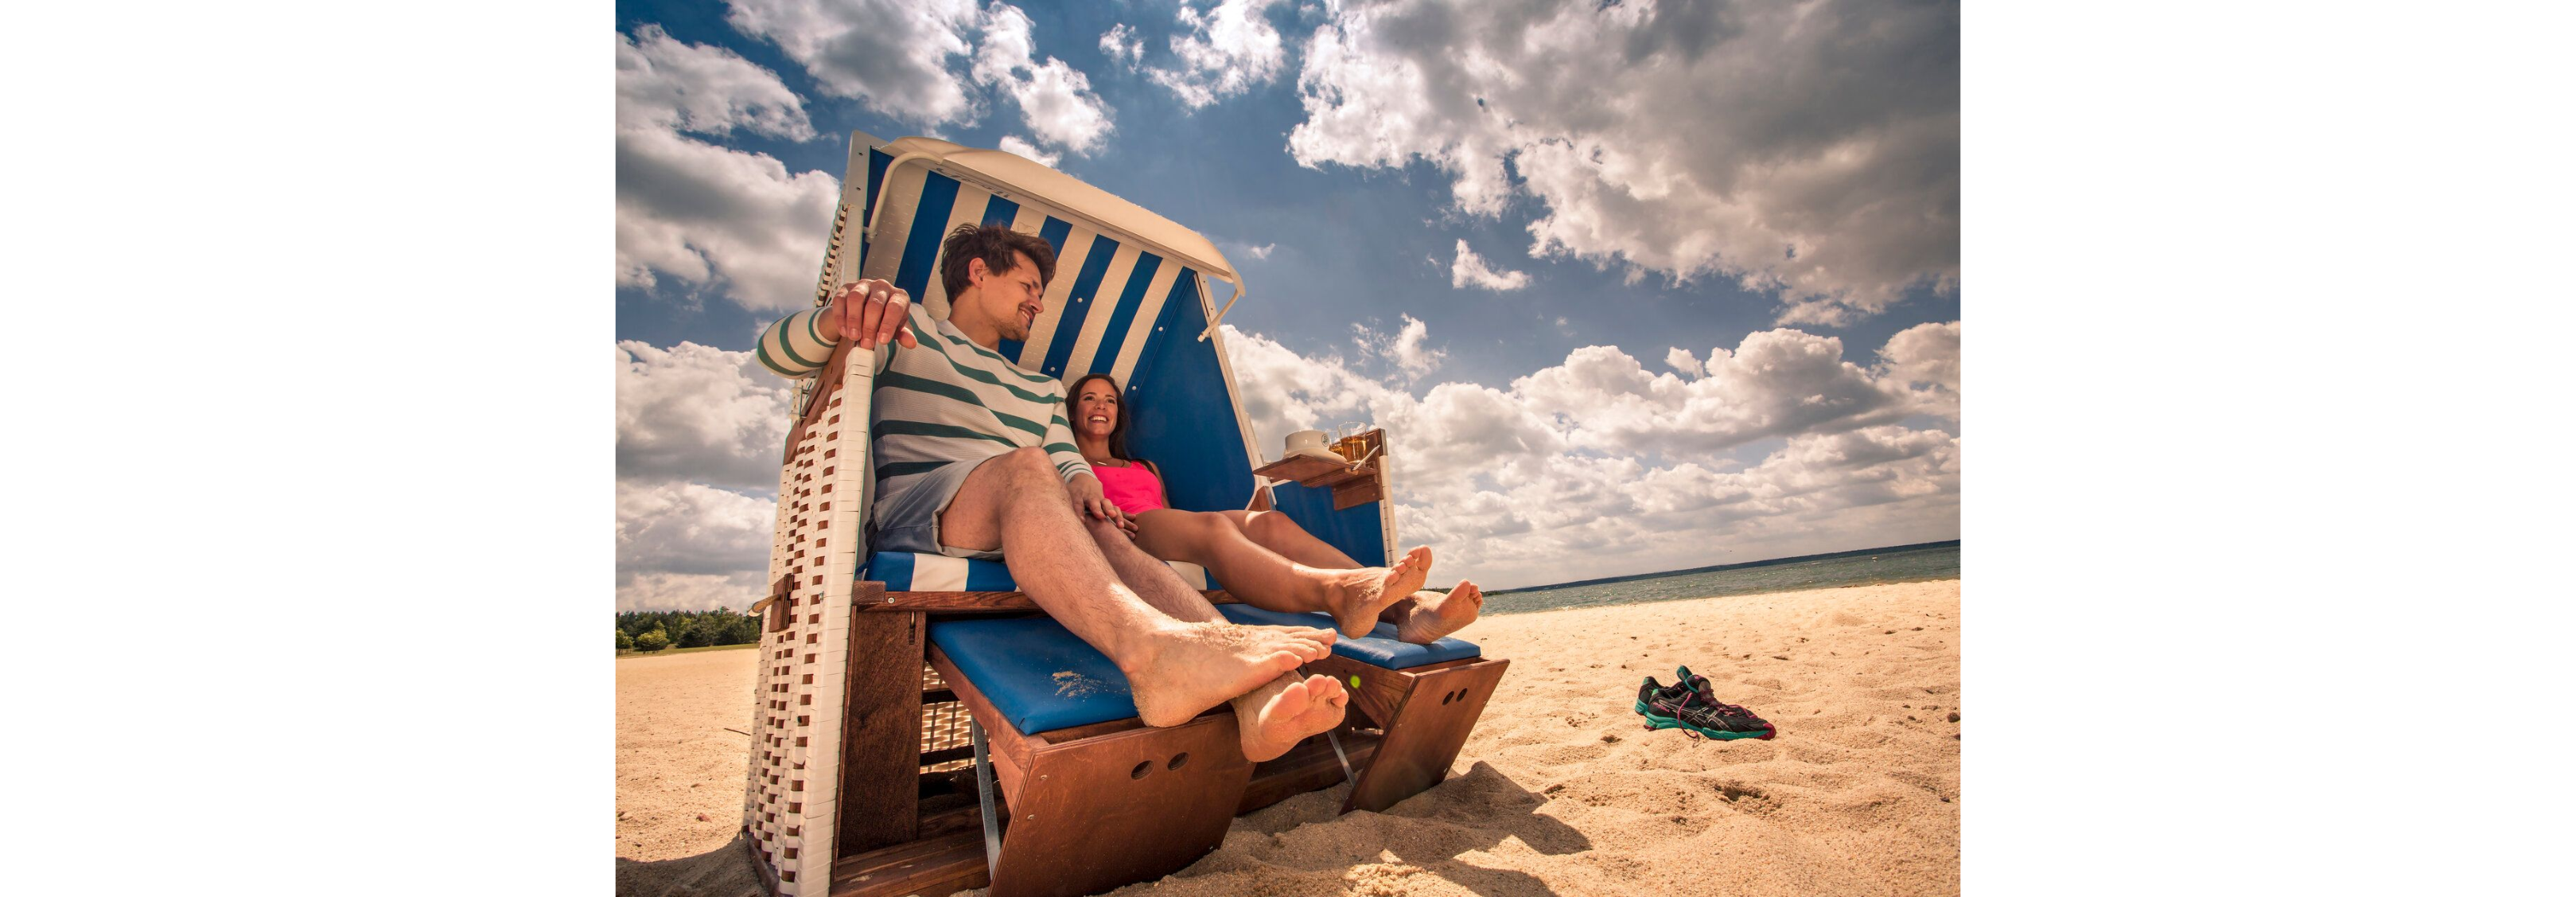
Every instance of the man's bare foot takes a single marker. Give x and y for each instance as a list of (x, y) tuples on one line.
[(1194, 666), (1355, 597), (1274, 717), (1435, 615)]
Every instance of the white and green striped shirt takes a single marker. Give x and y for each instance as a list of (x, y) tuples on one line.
[(947, 400)]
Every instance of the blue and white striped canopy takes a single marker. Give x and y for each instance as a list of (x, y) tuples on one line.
[(1116, 306)]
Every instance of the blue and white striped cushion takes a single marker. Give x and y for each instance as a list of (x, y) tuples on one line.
[(940, 573)]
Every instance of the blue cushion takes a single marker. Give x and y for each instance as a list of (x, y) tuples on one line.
[(940, 573), (1036, 672), (1379, 648)]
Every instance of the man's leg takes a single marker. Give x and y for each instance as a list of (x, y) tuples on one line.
[(1421, 618), (1015, 503), (1354, 595), (1272, 718)]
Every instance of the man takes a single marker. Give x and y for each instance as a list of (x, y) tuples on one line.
[(974, 458)]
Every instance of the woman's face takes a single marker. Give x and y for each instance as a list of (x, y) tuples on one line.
[(1095, 411)]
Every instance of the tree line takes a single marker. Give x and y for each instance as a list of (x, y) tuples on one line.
[(654, 630)]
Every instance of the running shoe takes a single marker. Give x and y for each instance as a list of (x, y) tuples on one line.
[(1689, 706)]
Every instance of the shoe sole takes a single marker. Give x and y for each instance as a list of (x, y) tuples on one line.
[(1655, 721)]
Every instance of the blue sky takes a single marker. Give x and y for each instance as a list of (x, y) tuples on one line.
[(1777, 182)]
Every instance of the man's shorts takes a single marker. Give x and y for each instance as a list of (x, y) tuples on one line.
[(909, 523)]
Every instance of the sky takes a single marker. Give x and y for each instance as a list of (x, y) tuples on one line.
[(1633, 287)]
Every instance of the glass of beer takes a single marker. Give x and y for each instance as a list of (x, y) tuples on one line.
[(1349, 445)]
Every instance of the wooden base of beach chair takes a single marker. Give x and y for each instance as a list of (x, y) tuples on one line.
[(1425, 713), (1110, 807), (1097, 807), (947, 858), (1310, 766)]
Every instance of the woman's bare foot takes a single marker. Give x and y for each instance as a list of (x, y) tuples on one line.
[(1194, 666), (1435, 615), (1274, 717), (1355, 597)]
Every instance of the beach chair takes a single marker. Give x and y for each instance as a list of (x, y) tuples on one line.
[(885, 677)]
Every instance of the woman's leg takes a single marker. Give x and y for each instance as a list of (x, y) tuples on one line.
[(1422, 618), (1354, 595), (1279, 533)]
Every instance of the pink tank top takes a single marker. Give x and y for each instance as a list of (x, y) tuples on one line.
[(1133, 489)]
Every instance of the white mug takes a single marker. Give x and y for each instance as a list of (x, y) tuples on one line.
[(1309, 442)]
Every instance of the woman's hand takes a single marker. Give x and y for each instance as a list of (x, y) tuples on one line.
[(1089, 502)]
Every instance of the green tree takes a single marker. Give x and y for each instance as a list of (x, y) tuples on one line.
[(653, 641), (624, 641), (742, 629), (698, 632)]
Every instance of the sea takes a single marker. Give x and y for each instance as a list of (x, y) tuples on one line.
[(1874, 566)]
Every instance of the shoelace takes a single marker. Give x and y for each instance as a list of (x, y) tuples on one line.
[(1722, 712), (1698, 686)]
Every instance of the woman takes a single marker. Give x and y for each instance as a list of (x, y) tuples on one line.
[(1262, 557)]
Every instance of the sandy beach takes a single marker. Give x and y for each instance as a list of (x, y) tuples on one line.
[(1560, 789)]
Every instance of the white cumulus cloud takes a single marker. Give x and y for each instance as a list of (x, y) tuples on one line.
[(1564, 475), (1226, 50), (1925, 358), (1055, 100), (1682, 360), (1806, 149), (1409, 350), (1121, 44), (698, 413), (1011, 143), (685, 546), (704, 214), (902, 58), (1470, 270), (890, 55)]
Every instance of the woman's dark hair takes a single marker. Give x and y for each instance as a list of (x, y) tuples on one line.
[(1118, 430)]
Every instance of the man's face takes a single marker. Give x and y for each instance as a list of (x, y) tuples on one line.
[(1014, 297)]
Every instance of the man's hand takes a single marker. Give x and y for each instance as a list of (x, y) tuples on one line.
[(873, 311), (1089, 502)]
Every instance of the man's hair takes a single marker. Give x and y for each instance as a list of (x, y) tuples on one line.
[(994, 244)]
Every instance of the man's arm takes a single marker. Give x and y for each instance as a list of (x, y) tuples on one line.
[(797, 346), (1079, 481)]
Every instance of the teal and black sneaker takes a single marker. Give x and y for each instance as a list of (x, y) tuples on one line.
[(1689, 706)]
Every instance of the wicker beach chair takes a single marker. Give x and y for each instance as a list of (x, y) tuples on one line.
[(884, 676)]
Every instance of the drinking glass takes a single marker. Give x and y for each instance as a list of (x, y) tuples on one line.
[(1350, 446)]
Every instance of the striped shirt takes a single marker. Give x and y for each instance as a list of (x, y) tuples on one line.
[(946, 400)]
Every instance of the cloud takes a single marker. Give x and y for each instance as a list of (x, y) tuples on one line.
[(1055, 100), (1011, 143), (1807, 150), (699, 437), (1470, 270), (1565, 475), (1121, 44), (1926, 355), (685, 546), (1224, 51), (704, 214), (663, 83), (898, 57), (1682, 360), (890, 55), (1260, 252), (698, 413), (1408, 350)]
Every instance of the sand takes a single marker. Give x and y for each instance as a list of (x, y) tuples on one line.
[(1560, 790)]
